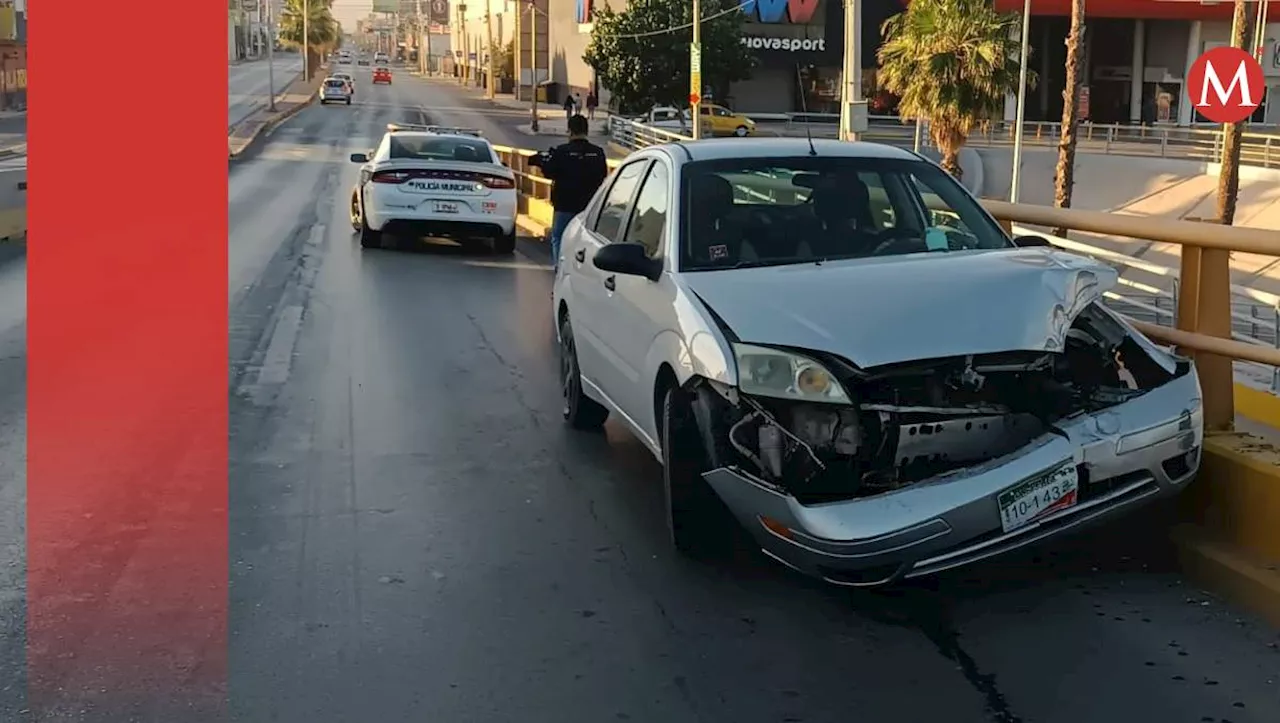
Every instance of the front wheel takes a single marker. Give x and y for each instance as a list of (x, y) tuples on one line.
[(699, 523), (355, 210), (740, 131)]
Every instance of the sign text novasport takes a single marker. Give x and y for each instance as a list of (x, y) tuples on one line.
[(791, 45)]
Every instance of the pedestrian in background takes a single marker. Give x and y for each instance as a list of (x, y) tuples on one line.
[(576, 169), (592, 103), (568, 107)]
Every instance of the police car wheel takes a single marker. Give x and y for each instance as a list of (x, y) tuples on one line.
[(356, 219), (505, 244)]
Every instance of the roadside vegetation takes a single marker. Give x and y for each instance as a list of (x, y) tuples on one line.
[(323, 31)]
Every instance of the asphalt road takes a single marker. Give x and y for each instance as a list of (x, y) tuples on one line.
[(248, 83), (416, 537)]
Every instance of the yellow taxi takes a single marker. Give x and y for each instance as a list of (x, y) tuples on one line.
[(720, 121)]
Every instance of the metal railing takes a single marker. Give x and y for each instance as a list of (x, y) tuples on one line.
[(1157, 141), (1197, 314)]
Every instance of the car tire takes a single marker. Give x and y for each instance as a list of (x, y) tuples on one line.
[(580, 411), (356, 217), (740, 131), (505, 244), (369, 238), (698, 522)]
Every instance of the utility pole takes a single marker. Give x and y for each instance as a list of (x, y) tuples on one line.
[(488, 20), (533, 63), (1022, 102), (306, 40), (417, 42), (1260, 30), (695, 72), (851, 93), (517, 46), (271, 63)]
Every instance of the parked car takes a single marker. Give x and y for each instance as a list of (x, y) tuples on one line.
[(834, 346)]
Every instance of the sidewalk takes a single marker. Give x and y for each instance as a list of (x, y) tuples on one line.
[(296, 96), (551, 118)]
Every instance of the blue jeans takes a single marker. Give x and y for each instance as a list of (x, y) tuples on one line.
[(559, 220)]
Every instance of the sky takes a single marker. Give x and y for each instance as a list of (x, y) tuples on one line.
[(348, 12)]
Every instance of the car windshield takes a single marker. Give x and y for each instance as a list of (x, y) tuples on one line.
[(775, 211), (440, 148)]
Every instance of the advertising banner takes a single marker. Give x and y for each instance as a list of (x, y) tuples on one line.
[(438, 12), (386, 6)]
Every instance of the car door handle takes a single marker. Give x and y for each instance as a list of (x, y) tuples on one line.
[(581, 255), (610, 284)]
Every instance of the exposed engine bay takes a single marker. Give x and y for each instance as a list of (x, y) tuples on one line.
[(914, 421)]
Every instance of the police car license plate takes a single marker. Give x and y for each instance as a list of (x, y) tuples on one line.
[(446, 207)]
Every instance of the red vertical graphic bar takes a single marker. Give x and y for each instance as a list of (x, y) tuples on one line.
[(127, 361)]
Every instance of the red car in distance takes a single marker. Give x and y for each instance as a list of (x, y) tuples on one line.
[(382, 75)]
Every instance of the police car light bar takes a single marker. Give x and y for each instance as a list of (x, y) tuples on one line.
[(450, 130)]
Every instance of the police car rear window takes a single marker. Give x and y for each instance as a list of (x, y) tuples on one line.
[(442, 149)]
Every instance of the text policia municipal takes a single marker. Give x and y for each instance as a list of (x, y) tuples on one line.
[(788, 44)]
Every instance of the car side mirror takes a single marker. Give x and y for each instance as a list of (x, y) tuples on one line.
[(1029, 242), (630, 258), (359, 158)]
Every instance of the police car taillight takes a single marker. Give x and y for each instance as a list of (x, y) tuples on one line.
[(497, 182), (391, 177)]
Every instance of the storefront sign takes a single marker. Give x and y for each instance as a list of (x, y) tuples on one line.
[(791, 45)]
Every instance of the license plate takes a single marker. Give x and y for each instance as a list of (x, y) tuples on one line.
[(1039, 497), (443, 207)]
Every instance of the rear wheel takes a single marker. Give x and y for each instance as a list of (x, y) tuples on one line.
[(355, 210), (580, 411), (369, 238), (698, 521), (505, 244)]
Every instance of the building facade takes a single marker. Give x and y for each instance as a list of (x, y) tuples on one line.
[(1136, 55)]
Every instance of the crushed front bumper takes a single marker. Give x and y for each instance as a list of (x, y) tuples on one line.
[(1126, 455)]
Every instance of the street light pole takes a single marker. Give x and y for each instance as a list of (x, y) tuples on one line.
[(271, 63), (695, 75), (1260, 29), (488, 20), (306, 40), (1022, 102), (533, 64)]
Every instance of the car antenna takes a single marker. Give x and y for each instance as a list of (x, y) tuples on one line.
[(804, 108)]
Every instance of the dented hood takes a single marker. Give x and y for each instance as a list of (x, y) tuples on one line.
[(907, 308)]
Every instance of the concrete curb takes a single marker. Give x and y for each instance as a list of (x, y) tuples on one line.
[(1225, 570), (264, 128)]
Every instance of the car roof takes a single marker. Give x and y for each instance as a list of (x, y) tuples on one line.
[(726, 148)]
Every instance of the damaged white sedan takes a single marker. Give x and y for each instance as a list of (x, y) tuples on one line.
[(835, 342)]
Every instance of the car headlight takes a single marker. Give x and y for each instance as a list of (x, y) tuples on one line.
[(786, 375)]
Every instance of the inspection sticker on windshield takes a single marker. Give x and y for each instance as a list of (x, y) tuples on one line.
[(1039, 497), (718, 252)]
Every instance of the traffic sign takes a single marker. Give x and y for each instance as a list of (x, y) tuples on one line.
[(1225, 84), (694, 98)]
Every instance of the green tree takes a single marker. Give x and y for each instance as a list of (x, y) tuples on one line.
[(951, 63), (641, 55), (324, 33)]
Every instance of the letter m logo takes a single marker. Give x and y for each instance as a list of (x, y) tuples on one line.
[(1239, 79)]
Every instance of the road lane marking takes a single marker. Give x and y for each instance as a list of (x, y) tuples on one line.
[(279, 357)]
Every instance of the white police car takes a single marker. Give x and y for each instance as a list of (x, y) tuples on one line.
[(437, 182)]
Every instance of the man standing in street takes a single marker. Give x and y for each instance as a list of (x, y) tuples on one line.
[(576, 169)]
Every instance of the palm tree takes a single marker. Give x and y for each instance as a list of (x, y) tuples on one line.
[(324, 33), (951, 63), (1065, 177), (1229, 173)]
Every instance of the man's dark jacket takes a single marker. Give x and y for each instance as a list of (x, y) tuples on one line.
[(576, 170)]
